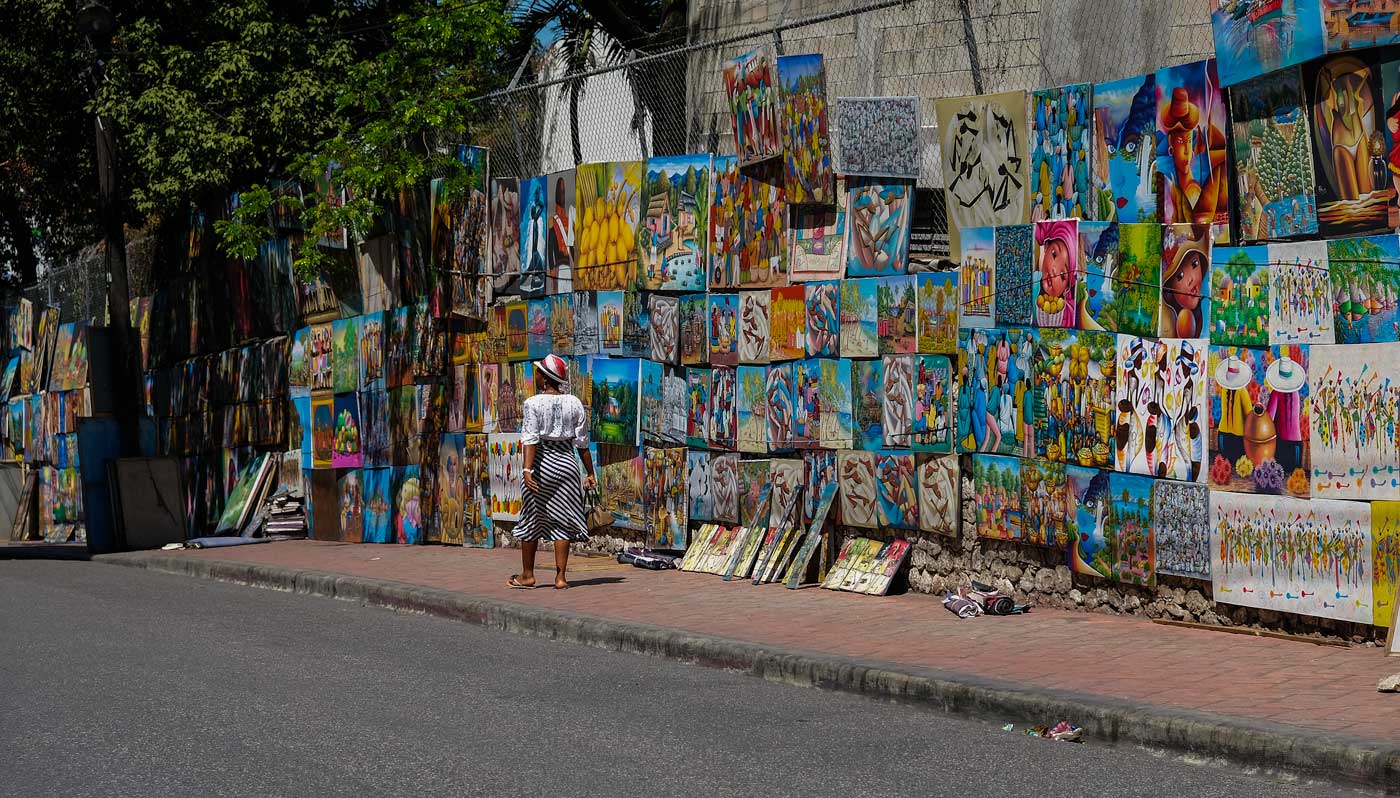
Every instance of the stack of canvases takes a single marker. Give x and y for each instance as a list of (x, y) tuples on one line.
[(45, 388)]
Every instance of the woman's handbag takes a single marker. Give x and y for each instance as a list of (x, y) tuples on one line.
[(598, 518)]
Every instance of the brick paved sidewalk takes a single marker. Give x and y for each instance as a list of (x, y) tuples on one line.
[(1292, 683)]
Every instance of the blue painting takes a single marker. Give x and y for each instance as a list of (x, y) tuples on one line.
[(1060, 122), (1253, 37), (1365, 276), (534, 235), (675, 223), (867, 381), (376, 505), (1016, 275), (1125, 168), (406, 508)]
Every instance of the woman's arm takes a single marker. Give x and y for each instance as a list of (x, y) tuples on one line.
[(530, 467), (581, 441), (529, 439)]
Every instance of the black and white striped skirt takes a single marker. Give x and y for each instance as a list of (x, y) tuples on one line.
[(555, 511)]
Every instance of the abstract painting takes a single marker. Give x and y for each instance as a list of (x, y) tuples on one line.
[(1043, 504), (1354, 394), (1074, 378), (1365, 280), (940, 484), (787, 323), (1059, 144), (1111, 528), (607, 199), (1292, 555), (897, 401), (1181, 528), (896, 310), (675, 223), (1253, 37), (817, 250), (977, 288), (878, 213), (699, 483), (1191, 147), (837, 425), (1273, 158), (996, 486), (755, 308), (1239, 287), (867, 411), (985, 159), (1124, 158), (806, 150), (751, 86), (858, 491), (1014, 261), (1057, 270), (938, 312), (1300, 294), (1185, 310), (1348, 126), (724, 487), (1161, 407), (877, 136), (1259, 420), (615, 400), (663, 315), (859, 318), (780, 411), (806, 403), (821, 303), (506, 461), (897, 489)]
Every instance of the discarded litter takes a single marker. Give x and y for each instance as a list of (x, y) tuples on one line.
[(1064, 732)]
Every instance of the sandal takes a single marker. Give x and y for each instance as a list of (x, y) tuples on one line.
[(514, 583)]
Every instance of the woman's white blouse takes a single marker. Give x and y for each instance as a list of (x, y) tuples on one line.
[(554, 417)]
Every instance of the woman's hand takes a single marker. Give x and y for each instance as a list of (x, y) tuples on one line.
[(590, 482), (530, 483)]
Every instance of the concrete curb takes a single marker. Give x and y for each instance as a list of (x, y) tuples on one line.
[(1269, 748)]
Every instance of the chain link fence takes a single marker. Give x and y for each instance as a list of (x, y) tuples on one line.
[(672, 101)]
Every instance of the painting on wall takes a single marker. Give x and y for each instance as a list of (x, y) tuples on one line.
[(407, 505), (539, 331), (1239, 288), (671, 239), (995, 392), (806, 147), (787, 323), (1259, 420), (896, 309), (897, 401), (1385, 561), (722, 326), (724, 487), (938, 312), (724, 420), (1185, 310), (1351, 389), (1347, 26), (1043, 504), (837, 423), (1112, 525), (1300, 294), (996, 484), (477, 529), (505, 228), (751, 85), (1057, 270), (897, 490), (1161, 407), (346, 451), (620, 485), (1181, 528), (939, 487), (858, 492), (1016, 273), (1075, 373), (697, 417), (817, 246), (755, 311), (1291, 555), (877, 136), (878, 213), (762, 219), (780, 412), (822, 318), (867, 404), (698, 484), (615, 400), (375, 490), (726, 234), (1348, 126), (450, 487), (322, 430), (607, 199), (664, 497), (1060, 121), (663, 316), (985, 159), (1254, 38), (934, 419), (1273, 158), (752, 409), (977, 288), (1365, 277), (1191, 148), (534, 236), (1131, 281), (1124, 157), (860, 318), (806, 403), (563, 225)]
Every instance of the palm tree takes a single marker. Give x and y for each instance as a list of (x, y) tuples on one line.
[(595, 34)]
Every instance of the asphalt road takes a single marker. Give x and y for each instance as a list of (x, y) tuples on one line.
[(116, 682)]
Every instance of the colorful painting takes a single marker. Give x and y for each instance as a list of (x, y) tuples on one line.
[(1259, 420), (938, 312), (1365, 279), (837, 424), (322, 430), (607, 197), (371, 359), (620, 485), (867, 405), (866, 566), (1348, 126), (1161, 404), (322, 341), (878, 136), (787, 326), (505, 227), (451, 489), (806, 150), (751, 86), (896, 310), (985, 159), (1043, 504), (726, 228), (694, 330), (1385, 561), (857, 489), (407, 509), (534, 235), (1191, 148), (822, 319), (1060, 121), (780, 412), (1181, 528), (724, 487), (506, 461), (649, 395), (722, 325), (352, 506), (1273, 158), (1239, 286), (752, 408), (375, 492), (587, 324), (878, 213), (539, 331), (664, 497), (477, 528), (1014, 263), (755, 485), (897, 489), (615, 400), (1125, 163), (610, 321), (1185, 310), (933, 404), (1075, 374), (996, 484), (806, 403), (996, 397), (755, 311), (1111, 527), (636, 324), (699, 484), (563, 222), (517, 330), (763, 220), (1347, 25), (724, 420), (1254, 37), (663, 316), (1291, 555), (939, 503), (561, 323), (817, 250), (1354, 394), (697, 417), (1056, 274), (977, 287), (1300, 294), (859, 308), (675, 223), (346, 452)]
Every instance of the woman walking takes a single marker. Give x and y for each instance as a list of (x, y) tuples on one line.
[(553, 425)]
